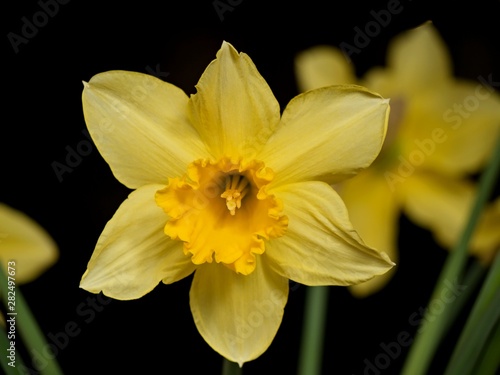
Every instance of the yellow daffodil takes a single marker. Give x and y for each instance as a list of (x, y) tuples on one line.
[(441, 130), (25, 243), (227, 188)]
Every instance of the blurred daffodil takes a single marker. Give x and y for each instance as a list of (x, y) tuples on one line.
[(227, 188), (26, 243), (441, 130)]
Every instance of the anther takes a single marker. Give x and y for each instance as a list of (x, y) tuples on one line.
[(237, 187)]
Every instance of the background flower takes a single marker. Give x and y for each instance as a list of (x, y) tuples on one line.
[(441, 131), (25, 242)]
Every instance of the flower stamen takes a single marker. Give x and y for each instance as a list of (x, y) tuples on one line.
[(237, 187)]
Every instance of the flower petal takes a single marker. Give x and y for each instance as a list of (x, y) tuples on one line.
[(438, 203), (140, 126), (322, 66), (237, 315), (25, 242), (381, 80), (443, 206), (374, 211), (133, 254), (466, 116), (321, 247), (234, 109), (418, 58), (485, 241), (327, 134)]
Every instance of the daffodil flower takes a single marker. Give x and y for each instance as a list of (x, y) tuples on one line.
[(25, 243), (441, 130), (227, 189)]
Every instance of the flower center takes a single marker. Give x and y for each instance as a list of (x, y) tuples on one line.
[(221, 210), (236, 188)]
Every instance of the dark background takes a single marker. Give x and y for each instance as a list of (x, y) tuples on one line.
[(42, 85)]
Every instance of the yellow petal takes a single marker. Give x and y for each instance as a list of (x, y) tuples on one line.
[(322, 66), (133, 254), (374, 212), (237, 315), (485, 242), (383, 81), (321, 247), (439, 204), (234, 109), (443, 206), (140, 126), (25, 242), (432, 135), (418, 58), (466, 116), (327, 134)]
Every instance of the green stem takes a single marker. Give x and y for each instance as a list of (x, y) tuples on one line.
[(311, 350), (472, 279), (231, 368), (29, 330), (481, 321), (432, 330)]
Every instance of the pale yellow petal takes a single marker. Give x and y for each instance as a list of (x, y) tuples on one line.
[(374, 212), (439, 204), (327, 134), (24, 242), (140, 126), (320, 246), (237, 315), (322, 66), (380, 79), (133, 254), (418, 58), (233, 109), (466, 115), (443, 205), (432, 136)]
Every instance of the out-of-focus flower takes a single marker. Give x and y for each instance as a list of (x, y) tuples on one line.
[(221, 176), (441, 130), (26, 243)]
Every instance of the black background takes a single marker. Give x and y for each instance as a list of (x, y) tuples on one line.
[(42, 85)]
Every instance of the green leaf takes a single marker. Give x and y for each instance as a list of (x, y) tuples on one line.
[(482, 319), (489, 363)]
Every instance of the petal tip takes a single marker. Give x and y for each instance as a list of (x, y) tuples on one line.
[(228, 47), (386, 258), (227, 50), (83, 284)]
